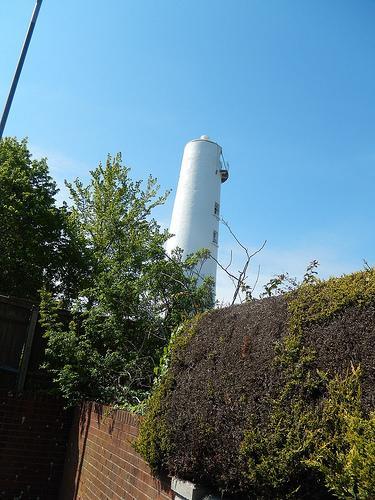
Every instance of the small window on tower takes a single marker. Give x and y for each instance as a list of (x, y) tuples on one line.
[(215, 237), (217, 209)]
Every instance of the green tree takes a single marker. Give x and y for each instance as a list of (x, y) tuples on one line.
[(135, 297), (39, 247)]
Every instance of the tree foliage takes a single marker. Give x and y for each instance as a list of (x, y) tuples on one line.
[(135, 295), (39, 246)]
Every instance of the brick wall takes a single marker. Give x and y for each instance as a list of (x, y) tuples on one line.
[(101, 462), (33, 437)]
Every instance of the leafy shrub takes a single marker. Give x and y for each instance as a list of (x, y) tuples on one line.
[(344, 448), (274, 398), (155, 442)]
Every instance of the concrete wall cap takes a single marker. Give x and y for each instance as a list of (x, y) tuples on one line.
[(188, 491)]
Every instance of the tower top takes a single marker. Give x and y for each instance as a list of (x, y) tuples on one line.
[(205, 139)]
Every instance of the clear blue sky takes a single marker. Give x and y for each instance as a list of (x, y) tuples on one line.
[(287, 87)]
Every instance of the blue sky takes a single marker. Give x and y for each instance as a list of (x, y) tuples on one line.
[(285, 86)]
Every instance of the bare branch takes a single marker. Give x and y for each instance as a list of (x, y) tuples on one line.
[(230, 261), (259, 249), (234, 236), (239, 280), (256, 281), (225, 269)]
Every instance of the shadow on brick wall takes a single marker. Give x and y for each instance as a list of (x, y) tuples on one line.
[(100, 459), (34, 431)]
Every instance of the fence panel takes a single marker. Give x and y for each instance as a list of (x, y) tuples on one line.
[(15, 316)]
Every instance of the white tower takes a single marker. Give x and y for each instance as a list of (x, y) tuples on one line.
[(196, 210)]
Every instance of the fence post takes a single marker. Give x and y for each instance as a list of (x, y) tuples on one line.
[(27, 349)]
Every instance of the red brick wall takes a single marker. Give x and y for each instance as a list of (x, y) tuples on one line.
[(101, 462), (33, 437)]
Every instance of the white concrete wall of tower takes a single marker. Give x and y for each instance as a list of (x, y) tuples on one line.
[(195, 216)]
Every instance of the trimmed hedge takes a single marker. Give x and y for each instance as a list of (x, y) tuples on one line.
[(273, 398)]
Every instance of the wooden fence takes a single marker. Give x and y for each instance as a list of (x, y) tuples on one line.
[(21, 342)]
